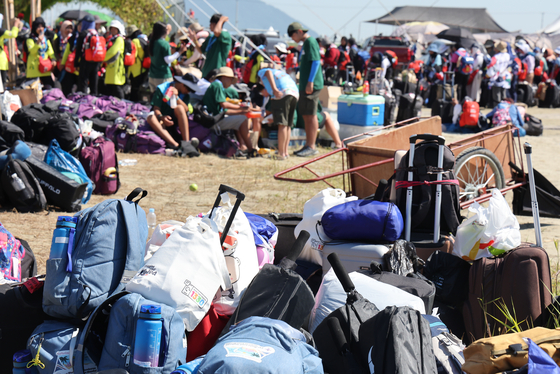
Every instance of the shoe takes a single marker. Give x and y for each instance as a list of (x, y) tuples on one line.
[(240, 155), (299, 150), (307, 151), (279, 158), (253, 153), (187, 149)]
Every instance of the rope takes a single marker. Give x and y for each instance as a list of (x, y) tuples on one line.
[(406, 184), (37, 360)]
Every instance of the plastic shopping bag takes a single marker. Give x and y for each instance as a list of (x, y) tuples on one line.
[(489, 232), (10, 104)]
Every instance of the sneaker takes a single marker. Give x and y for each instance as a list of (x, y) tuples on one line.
[(306, 151), (187, 149), (299, 150), (240, 155)]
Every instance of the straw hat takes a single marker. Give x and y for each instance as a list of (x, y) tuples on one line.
[(500, 46), (196, 27), (226, 72)]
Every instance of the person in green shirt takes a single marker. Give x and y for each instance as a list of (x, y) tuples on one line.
[(161, 57), (172, 123), (310, 85), (216, 47), (215, 101)]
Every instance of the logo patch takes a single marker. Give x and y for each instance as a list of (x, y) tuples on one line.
[(63, 363), (194, 294), (148, 270), (247, 351), (316, 245)]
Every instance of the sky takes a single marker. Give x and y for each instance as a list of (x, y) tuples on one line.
[(346, 17)]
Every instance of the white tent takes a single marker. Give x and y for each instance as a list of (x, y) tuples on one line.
[(553, 28)]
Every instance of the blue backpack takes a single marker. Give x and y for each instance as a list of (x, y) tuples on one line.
[(262, 345), (107, 251), (105, 341)]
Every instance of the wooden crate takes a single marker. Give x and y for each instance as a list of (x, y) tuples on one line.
[(381, 147)]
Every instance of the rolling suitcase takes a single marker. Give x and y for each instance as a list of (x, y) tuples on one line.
[(337, 336), (410, 106), (424, 246), (443, 107), (518, 281), (353, 256), (277, 292)]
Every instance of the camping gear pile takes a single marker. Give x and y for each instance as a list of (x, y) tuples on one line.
[(349, 286)]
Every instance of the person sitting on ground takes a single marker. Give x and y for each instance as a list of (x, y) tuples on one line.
[(284, 94), (216, 47), (38, 48), (310, 85), (172, 124), (325, 121), (506, 112), (215, 101)]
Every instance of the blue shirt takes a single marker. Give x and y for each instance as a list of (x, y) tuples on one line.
[(284, 83)]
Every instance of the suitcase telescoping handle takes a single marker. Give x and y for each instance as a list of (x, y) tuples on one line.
[(239, 197), (441, 149), (341, 273), (298, 245), (534, 202)]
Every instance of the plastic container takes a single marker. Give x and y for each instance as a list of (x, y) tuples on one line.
[(253, 114), (128, 162), (62, 236), (365, 90), (173, 102), (18, 183), (148, 336), (361, 110), (21, 359), (152, 222)]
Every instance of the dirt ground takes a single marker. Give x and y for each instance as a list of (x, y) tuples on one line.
[(167, 181)]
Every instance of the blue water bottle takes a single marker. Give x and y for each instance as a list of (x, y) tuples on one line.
[(148, 336), (21, 359), (63, 235)]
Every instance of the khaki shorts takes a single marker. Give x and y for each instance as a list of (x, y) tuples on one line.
[(283, 110), (230, 122), (308, 104), (154, 82)]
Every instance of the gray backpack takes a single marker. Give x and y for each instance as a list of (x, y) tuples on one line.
[(448, 348), (107, 251)]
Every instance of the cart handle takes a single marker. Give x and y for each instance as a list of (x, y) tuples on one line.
[(528, 148), (440, 139)]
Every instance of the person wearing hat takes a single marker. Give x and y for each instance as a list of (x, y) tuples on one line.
[(39, 48), (136, 73), (215, 101), (88, 69), (310, 85), (172, 124), (527, 57), (7, 34), (115, 74), (216, 47), (497, 71), (24, 23), (281, 53), (69, 76)]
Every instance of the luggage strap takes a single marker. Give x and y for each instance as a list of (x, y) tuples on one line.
[(406, 184)]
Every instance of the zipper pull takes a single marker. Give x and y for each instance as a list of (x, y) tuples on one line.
[(126, 354)]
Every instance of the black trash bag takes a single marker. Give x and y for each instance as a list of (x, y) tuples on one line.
[(402, 259), (450, 275)]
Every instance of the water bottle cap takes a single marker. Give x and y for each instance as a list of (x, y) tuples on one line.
[(66, 221), (152, 210), (22, 356), (150, 311)]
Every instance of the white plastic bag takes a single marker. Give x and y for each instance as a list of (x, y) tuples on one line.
[(240, 256), (489, 232), (186, 271), (161, 233), (10, 104), (331, 296), (313, 211)]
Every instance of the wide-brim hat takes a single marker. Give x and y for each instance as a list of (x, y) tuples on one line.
[(119, 26), (226, 72), (282, 47), (500, 46), (131, 30), (196, 27), (188, 80)]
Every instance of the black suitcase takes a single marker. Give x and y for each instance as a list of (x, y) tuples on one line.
[(285, 223), (410, 106), (277, 292), (337, 336), (59, 190), (444, 107)]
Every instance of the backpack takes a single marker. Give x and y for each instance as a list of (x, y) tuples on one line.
[(248, 67), (11, 257), (108, 250), (147, 61), (397, 340), (469, 117), (129, 53), (501, 116), (533, 126), (100, 163), (135, 142), (423, 196), (20, 188), (69, 66), (62, 127), (523, 72), (94, 46), (32, 119), (224, 144), (466, 65), (392, 56), (343, 60), (448, 349)]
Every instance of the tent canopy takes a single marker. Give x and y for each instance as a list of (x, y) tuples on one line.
[(477, 20), (553, 28)]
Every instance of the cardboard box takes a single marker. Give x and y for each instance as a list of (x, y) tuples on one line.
[(329, 97), (27, 96)]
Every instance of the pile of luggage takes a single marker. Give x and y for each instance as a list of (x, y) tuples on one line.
[(350, 286)]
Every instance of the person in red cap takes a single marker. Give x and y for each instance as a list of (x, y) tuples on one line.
[(21, 17)]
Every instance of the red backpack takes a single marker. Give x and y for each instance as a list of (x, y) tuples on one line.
[(95, 47), (523, 72), (129, 53), (471, 112)]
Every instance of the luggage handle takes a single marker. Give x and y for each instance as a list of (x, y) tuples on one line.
[(534, 201), (341, 273), (440, 139), (298, 245), (239, 198), (137, 191), (338, 335)]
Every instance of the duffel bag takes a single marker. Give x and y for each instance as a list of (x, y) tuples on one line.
[(363, 220)]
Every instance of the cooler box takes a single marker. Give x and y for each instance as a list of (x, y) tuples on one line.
[(361, 110)]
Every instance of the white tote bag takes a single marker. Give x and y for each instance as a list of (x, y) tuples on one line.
[(186, 271), (313, 211), (240, 256), (161, 233)]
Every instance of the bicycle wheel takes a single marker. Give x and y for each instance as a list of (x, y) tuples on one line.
[(478, 171)]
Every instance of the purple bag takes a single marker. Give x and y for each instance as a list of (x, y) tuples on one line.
[(106, 103), (149, 142), (141, 142), (87, 110), (137, 109), (196, 130), (54, 94), (76, 96)]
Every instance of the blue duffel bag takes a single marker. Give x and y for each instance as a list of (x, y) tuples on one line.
[(363, 221)]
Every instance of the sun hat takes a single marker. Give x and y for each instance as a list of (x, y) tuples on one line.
[(226, 72), (131, 30), (188, 80), (500, 46), (119, 26), (282, 47)]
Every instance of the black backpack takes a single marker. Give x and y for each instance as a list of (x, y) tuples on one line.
[(20, 188), (62, 127), (10, 133), (32, 119), (397, 340), (423, 196)]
